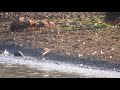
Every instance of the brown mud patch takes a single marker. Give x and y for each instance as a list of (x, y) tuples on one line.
[(80, 43)]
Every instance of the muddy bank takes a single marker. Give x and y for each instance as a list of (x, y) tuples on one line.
[(6, 16), (103, 46), (91, 61)]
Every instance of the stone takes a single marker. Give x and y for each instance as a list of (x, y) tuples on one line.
[(44, 23), (22, 23), (21, 19), (18, 54), (18, 25), (51, 23), (47, 24), (31, 22)]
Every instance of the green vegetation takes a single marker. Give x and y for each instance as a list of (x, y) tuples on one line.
[(84, 23)]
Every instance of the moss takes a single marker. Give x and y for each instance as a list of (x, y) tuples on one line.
[(93, 22)]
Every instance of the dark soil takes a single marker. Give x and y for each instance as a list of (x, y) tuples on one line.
[(76, 43)]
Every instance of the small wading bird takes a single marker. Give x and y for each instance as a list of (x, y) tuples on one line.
[(18, 54), (6, 52), (46, 50)]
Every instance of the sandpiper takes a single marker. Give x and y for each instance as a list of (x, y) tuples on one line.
[(6, 52), (46, 50), (18, 54)]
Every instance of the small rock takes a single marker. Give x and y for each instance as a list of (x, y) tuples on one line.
[(76, 46), (18, 54), (80, 55), (102, 52), (18, 26), (96, 33), (51, 23), (46, 24), (68, 53), (83, 43), (89, 38), (31, 22), (94, 52), (21, 19), (22, 23), (43, 23), (112, 49), (110, 57), (67, 24)]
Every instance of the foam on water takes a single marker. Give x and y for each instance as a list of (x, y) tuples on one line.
[(59, 66)]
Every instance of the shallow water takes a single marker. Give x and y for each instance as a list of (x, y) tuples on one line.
[(24, 70), (30, 67), (20, 71)]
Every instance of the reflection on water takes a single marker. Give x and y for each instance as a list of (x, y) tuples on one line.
[(20, 71)]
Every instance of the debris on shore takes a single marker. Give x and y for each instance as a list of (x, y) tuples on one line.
[(22, 23)]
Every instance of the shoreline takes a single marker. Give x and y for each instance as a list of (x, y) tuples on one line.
[(103, 44), (92, 61)]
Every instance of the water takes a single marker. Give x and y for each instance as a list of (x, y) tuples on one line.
[(11, 67), (31, 67), (21, 71)]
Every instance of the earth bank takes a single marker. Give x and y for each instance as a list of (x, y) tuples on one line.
[(76, 41)]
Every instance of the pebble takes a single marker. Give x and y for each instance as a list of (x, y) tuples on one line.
[(68, 53), (102, 52), (83, 43), (94, 52), (110, 57), (80, 55), (112, 49), (96, 33)]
